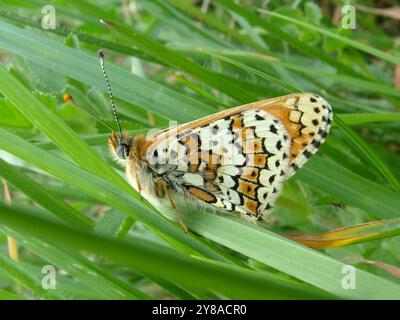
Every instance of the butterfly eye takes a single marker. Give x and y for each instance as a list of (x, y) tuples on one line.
[(122, 151), (126, 149)]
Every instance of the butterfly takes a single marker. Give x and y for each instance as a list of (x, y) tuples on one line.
[(233, 161)]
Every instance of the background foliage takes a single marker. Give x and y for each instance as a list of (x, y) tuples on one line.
[(66, 203)]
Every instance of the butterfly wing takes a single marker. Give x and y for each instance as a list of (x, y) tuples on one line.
[(238, 159)]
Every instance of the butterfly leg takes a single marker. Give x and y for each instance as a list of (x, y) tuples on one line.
[(137, 179), (161, 185)]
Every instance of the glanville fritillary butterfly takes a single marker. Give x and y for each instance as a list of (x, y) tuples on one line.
[(233, 161)]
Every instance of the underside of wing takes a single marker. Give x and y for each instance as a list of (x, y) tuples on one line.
[(308, 119), (237, 160)]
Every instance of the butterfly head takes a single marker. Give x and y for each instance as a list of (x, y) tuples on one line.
[(121, 146)]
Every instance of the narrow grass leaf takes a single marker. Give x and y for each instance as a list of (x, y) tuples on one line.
[(349, 235), (51, 125), (39, 194), (101, 282), (5, 295), (372, 156), (277, 32), (262, 75), (364, 118), (24, 277), (289, 257), (62, 59), (355, 44), (328, 176), (232, 281), (175, 60)]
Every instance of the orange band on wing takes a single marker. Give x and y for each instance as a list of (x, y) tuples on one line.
[(201, 194)]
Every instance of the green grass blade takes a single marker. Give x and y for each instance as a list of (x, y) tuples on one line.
[(182, 21), (355, 44), (138, 91), (51, 125), (175, 60), (327, 176), (210, 20), (91, 275), (38, 193), (289, 257), (277, 32), (231, 281), (24, 277), (372, 156), (363, 118), (262, 75), (5, 295)]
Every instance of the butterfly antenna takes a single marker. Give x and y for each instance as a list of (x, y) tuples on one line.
[(68, 98), (114, 109)]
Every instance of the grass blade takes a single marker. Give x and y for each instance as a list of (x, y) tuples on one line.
[(289, 257), (262, 75), (175, 60), (38, 193), (363, 118), (363, 147), (277, 32), (101, 282), (355, 44), (62, 135), (231, 281), (330, 177), (138, 91), (349, 235), (26, 279)]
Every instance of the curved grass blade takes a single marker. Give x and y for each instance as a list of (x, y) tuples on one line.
[(175, 60), (51, 125), (39, 194), (229, 280), (5, 295), (277, 32), (26, 279), (101, 282), (364, 148), (355, 44), (136, 90), (210, 20), (288, 256), (349, 235), (261, 74), (328, 176)]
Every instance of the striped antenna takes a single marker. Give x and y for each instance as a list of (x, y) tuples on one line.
[(114, 109)]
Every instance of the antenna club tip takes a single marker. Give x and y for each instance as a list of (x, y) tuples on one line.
[(67, 97), (106, 22), (100, 54)]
